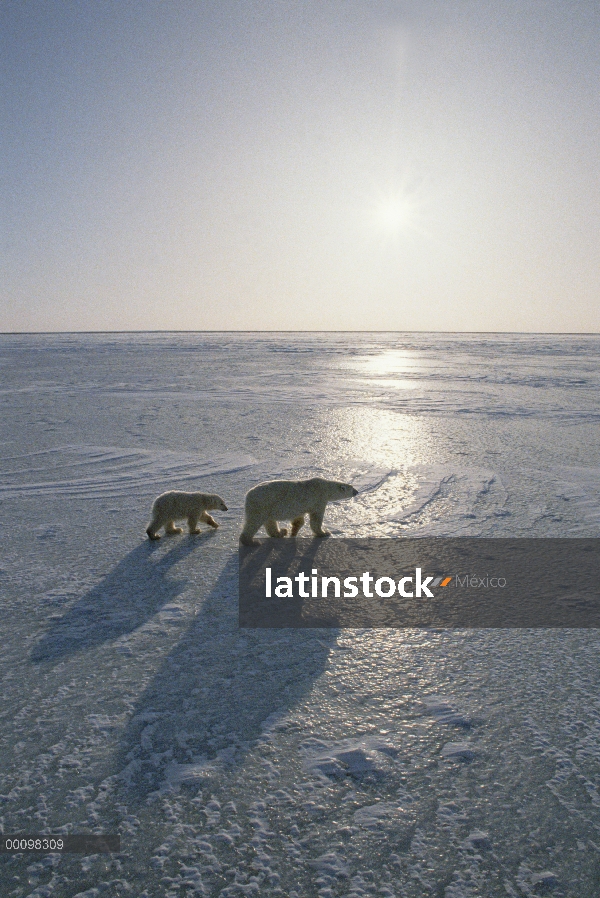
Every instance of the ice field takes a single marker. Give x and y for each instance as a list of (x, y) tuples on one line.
[(279, 762)]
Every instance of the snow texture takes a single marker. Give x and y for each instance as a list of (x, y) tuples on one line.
[(294, 763)]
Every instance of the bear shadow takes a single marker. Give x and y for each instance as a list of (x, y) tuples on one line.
[(125, 599), (256, 610), (212, 697)]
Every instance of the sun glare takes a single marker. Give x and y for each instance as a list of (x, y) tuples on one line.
[(395, 213), (393, 362)]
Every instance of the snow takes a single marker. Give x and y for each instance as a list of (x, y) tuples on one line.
[(296, 763), (458, 751), (97, 472)]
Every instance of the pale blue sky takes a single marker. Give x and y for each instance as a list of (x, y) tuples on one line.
[(300, 165)]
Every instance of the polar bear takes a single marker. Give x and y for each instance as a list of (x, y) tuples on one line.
[(170, 507), (290, 500)]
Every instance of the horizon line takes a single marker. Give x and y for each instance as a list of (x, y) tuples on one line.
[(316, 331)]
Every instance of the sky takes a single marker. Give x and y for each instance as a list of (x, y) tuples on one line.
[(310, 165)]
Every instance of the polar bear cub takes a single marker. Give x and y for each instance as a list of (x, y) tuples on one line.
[(290, 500), (174, 505)]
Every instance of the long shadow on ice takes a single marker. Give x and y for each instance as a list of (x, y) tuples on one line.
[(125, 599), (209, 701)]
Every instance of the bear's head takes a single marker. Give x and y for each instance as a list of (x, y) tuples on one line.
[(216, 503), (337, 490)]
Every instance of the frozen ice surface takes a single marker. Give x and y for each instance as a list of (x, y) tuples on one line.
[(458, 751), (294, 763)]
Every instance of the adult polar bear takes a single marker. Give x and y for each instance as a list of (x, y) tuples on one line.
[(290, 500), (174, 505)]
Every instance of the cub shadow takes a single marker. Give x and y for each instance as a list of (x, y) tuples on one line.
[(125, 599), (209, 701)]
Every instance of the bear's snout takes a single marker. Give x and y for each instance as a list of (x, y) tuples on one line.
[(223, 506), (354, 492)]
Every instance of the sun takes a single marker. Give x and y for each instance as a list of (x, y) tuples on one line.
[(395, 213)]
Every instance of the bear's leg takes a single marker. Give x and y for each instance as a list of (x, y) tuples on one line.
[(247, 534), (208, 519), (297, 524), (272, 528), (193, 524), (152, 527), (171, 529), (316, 522)]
